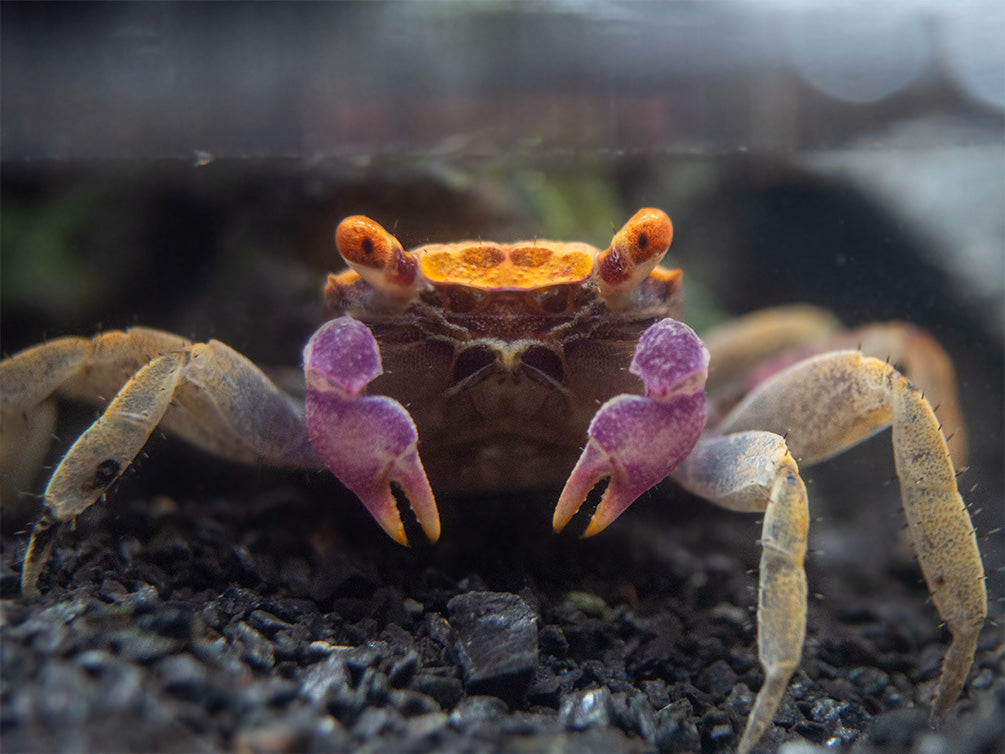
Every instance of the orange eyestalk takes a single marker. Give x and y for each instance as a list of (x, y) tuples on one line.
[(634, 251), (377, 256)]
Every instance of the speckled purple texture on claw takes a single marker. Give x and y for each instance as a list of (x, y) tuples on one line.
[(345, 352), (670, 359), (368, 442)]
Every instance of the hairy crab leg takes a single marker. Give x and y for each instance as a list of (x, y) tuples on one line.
[(751, 348), (754, 472), (100, 455), (207, 393), (76, 367), (744, 343), (368, 442), (925, 363), (829, 402), (636, 441)]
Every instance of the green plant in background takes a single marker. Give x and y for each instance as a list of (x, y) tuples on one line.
[(41, 266)]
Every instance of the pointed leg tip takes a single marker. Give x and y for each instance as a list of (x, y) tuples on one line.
[(423, 505), (383, 506), (40, 545), (592, 467), (430, 525)]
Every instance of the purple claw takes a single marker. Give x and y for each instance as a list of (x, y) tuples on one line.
[(671, 360), (636, 441), (368, 442), (344, 356)]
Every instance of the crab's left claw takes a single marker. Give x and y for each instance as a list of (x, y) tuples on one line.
[(636, 441), (368, 442)]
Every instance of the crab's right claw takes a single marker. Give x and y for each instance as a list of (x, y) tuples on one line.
[(636, 441), (368, 442)]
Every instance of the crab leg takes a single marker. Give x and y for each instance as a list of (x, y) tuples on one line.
[(754, 472), (832, 401), (636, 441), (746, 342), (207, 393), (224, 404), (74, 367), (100, 455), (924, 362), (368, 442), (751, 348)]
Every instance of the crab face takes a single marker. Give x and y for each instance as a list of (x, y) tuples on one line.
[(502, 353)]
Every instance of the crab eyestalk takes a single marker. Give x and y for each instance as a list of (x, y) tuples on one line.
[(634, 251), (378, 257)]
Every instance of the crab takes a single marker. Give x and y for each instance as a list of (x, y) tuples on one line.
[(476, 366)]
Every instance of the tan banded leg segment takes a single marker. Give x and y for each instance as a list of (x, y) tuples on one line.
[(754, 472), (786, 334), (746, 342), (206, 393), (944, 538), (925, 363), (25, 437), (101, 454), (824, 405), (90, 370)]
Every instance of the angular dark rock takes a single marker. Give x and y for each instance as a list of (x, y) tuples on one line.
[(496, 637)]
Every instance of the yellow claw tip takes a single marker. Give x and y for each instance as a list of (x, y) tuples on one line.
[(432, 530), (393, 527)]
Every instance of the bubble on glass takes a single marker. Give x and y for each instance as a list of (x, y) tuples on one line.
[(859, 55)]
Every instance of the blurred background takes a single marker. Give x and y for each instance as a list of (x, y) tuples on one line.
[(183, 166)]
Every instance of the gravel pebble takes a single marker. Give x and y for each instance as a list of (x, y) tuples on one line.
[(496, 642)]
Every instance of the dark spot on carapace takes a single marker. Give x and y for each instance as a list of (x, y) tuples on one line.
[(367, 246), (642, 240), (106, 473)]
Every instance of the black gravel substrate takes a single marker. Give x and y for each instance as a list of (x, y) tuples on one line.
[(284, 621)]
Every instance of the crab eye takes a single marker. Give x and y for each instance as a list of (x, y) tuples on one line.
[(634, 251), (377, 256), (361, 241), (648, 234)]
